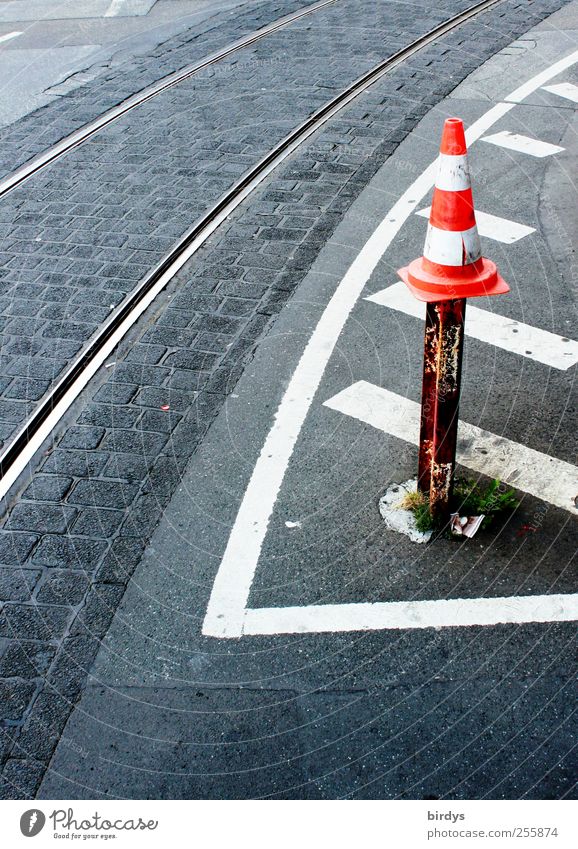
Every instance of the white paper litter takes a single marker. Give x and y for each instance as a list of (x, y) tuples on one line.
[(465, 525)]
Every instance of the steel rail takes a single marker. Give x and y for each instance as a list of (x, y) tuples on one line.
[(52, 407), (76, 138)]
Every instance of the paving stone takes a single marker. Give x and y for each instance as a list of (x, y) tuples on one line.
[(63, 587), (41, 731), (119, 563), (31, 390), (77, 463), (48, 488), (15, 547), (132, 442), (99, 608), (74, 552), (116, 393), (85, 438), (97, 493), (40, 518), (15, 696), (159, 421), (26, 660), (97, 523), (21, 778), (109, 416), (33, 622), (68, 673), (17, 584), (127, 467), (161, 398)]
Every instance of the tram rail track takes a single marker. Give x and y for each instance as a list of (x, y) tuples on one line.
[(82, 134), (21, 450)]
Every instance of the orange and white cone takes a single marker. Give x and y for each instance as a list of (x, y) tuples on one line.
[(452, 265)]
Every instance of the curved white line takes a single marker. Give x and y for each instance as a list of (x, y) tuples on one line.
[(227, 607)]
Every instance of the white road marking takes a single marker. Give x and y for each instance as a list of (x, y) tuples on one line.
[(493, 227), (115, 8), (515, 336), (523, 144), (567, 90), (540, 475), (441, 613), (9, 35), (227, 608), (530, 86)]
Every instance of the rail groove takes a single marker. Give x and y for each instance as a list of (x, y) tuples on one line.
[(14, 459), (37, 163)]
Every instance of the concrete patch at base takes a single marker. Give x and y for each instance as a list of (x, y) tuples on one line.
[(398, 519)]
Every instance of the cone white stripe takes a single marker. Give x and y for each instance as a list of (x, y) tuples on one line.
[(452, 247), (453, 173)]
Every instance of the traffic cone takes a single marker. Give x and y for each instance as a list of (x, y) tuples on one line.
[(452, 265)]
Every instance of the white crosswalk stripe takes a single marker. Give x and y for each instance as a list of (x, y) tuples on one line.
[(523, 144), (493, 227), (540, 475), (530, 342), (567, 90), (9, 36)]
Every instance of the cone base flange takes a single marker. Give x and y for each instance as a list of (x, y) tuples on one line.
[(470, 281)]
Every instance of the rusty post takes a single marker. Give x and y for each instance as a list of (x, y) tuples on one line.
[(443, 348)]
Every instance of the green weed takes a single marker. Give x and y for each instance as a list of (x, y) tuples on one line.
[(469, 499)]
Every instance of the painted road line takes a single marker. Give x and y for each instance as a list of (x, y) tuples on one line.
[(567, 90), (548, 348), (493, 227), (227, 606), (116, 8), (523, 144), (540, 475), (441, 613), (9, 35)]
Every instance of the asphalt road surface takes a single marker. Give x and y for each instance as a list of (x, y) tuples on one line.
[(275, 639), (50, 47)]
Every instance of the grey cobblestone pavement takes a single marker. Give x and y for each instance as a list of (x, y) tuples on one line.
[(46, 126), (80, 523), (80, 235)]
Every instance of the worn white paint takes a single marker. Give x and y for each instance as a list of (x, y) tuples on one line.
[(493, 227), (566, 90), (548, 348), (530, 86), (540, 475), (523, 144), (9, 36), (115, 8), (411, 615), (453, 174), (227, 615), (448, 247)]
